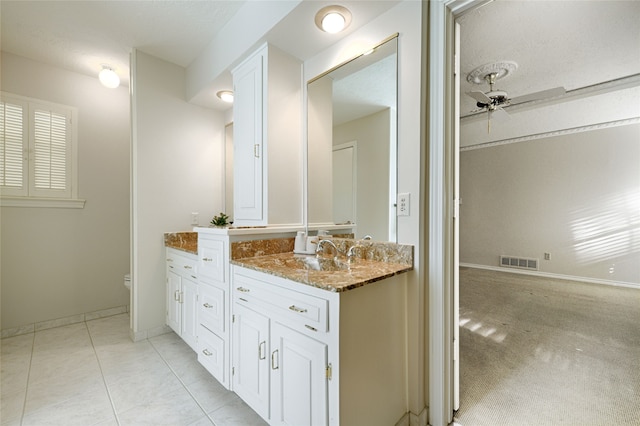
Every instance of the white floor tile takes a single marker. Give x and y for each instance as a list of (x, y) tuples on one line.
[(93, 374), (174, 409)]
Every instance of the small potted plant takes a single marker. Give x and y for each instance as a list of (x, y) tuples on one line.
[(220, 221)]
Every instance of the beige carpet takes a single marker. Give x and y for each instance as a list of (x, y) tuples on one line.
[(538, 351)]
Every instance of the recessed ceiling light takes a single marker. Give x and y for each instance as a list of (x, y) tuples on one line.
[(225, 95), (333, 19), (108, 77)]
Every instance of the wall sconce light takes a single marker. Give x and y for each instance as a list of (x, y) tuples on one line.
[(333, 19), (225, 95), (108, 77)]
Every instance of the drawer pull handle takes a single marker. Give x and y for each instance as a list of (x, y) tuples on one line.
[(207, 259), (274, 358), (171, 266), (194, 277), (244, 300), (187, 267), (294, 308), (169, 259), (176, 295), (207, 305), (243, 290), (310, 328), (207, 352), (261, 350)]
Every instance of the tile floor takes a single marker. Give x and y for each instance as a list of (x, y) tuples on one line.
[(91, 373)]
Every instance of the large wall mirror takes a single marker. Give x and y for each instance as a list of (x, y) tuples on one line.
[(352, 144)]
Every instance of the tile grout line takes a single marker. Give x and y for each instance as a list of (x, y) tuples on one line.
[(113, 406), (181, 382), (26, 390)]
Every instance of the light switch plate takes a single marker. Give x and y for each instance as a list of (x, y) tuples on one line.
[(403, 204), (195, 218)]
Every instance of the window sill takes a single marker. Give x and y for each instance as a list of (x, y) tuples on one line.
[(61, 203)]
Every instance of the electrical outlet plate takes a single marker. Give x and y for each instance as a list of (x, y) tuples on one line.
[(404, 200)]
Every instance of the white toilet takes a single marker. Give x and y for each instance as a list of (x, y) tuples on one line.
[(127, 281)]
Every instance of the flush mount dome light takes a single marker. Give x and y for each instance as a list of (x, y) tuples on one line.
[(108, 77), (333, 19), (225, 95)]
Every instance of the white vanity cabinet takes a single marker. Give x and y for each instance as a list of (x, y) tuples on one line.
[(267, 139), (182, 295), (280, 351), (213, 305), (309, 356)]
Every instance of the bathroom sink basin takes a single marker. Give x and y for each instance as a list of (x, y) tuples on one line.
[(314, 263)]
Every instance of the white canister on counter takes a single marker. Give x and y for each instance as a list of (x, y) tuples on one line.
[(312, 244), (300, 243)]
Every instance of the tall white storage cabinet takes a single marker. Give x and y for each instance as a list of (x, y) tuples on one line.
[(267, 116)]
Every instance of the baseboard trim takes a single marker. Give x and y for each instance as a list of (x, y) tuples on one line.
[(60, 322), (552, 275)]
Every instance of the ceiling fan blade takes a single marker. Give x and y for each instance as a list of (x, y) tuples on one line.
[(544, 94), (479, 96)]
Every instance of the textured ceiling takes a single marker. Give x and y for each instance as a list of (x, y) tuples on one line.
[(555, 43)]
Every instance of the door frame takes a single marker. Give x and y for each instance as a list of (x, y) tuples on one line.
[(440, 110)]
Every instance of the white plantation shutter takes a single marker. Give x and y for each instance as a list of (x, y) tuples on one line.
[(13, 159), (38, 151), (50, 151)]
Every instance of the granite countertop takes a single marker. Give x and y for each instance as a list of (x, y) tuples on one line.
[(349, 276), (185, 241)]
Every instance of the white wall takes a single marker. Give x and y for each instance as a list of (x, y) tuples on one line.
[(575, 196), (178, 160), (372, 136), (405, 19), (59, 262)]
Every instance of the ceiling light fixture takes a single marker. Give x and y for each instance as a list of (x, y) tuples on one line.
[(108, 77), (333, 19), (225, 95)]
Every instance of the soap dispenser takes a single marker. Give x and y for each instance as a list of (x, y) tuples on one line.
[(300, 244)]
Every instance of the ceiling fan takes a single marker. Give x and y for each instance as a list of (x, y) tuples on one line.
[(494, 100)]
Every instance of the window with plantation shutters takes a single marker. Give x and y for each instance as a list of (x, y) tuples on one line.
[(37, 153)]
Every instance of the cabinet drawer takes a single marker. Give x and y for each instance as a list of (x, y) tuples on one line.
[(212, 265), (182, 265), (211, 353), (289, 305), (211, 308)]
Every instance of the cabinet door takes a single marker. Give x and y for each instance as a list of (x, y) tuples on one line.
[(189, 317), (174, 284), (247, 141), (250, 358), (298, 378)]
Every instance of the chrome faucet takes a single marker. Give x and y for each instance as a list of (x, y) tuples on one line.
[(351, 252), (323, 242), (367, 237)]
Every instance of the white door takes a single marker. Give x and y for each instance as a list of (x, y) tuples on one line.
[(250, 360), (189, 302), (174, 284), (456, 226), (298, 378), (248, 141), (344, 183)]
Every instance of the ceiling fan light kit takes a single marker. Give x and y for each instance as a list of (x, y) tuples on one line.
[(494, 100)]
